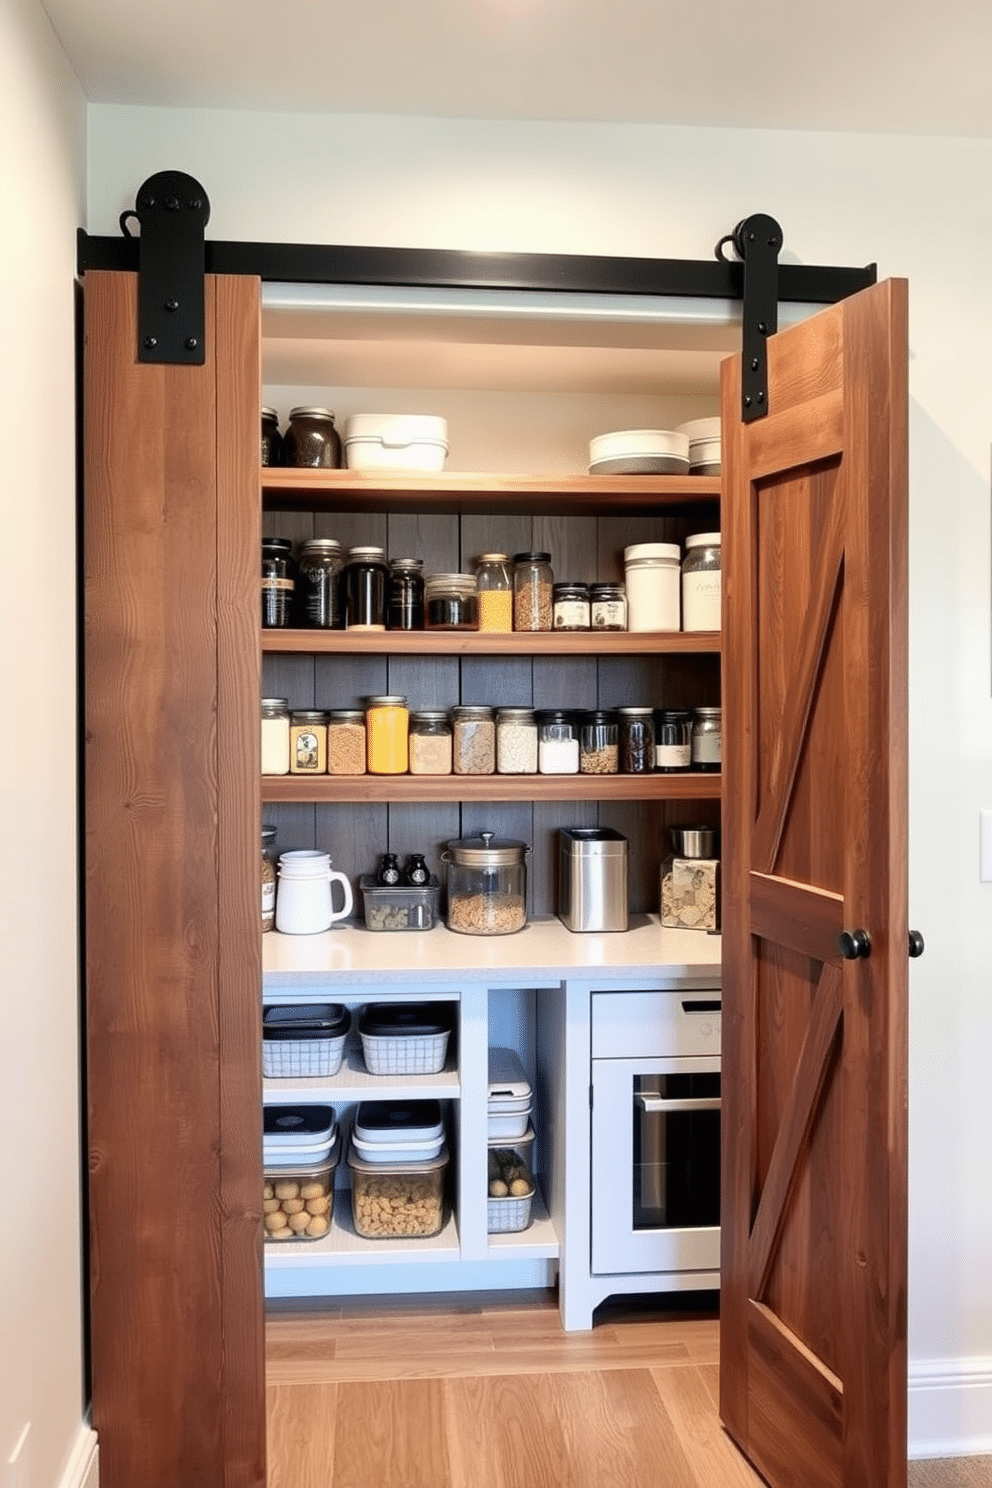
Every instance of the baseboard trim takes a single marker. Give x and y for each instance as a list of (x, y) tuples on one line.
[(83, 1468), (950, 1407)]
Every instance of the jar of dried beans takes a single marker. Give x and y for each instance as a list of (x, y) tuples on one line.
[(598, 743), (533, 585), (487, 885)]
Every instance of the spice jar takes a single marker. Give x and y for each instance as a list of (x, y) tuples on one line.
[(599, 735), (317, 601), (651, 572), (405, 600), (271, 438), (308, 743), (707, 739), (701, 582), (312, 440), (346, 742), (557, 742), (452, 603), (275, 736), (516, 741), (363, 589), (487, 885), (533, 584), (268, 878), (279, 573), (636, 740), (474, 741), (430, 743), (607, 607), (570, 607), (494, 587), (672, 739), (387, 728)]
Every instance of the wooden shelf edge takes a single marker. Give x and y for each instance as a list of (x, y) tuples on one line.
[(477, 643), (356, 789)]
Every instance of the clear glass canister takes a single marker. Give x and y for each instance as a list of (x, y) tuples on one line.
[(494, 587), (557, 742), (474, 741), (707, 739), (570, 607), (311, 439), (516, 741), (268, 878), (275, 736), (533, 591), (346, 743), (308, 743), (363, 589), (317, 599), (405, 600), (387, 728), (279, 575), (701, 596), (636, 740), (271, 438), (452, 602), (599, 752), (607, 607), (430, 743), (487, 885), (672, 739), (651, 574)]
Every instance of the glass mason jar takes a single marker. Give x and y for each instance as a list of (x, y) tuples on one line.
[(279, 575), (672, 739), (516, 741), (557, 742), (599, 734), (271, 438), (707, 739), (494, 587), (308, 743), (474, 741), (430, 743), (363, 589), (346, 743), (533, 585), (311, 439), (487, 885), (701, 582), (570, 607), (636, 740), (268, 878), (651, 572), (387, 728), (452, 603), (275, 736), (607, 607), (405, 599), (317, 598)]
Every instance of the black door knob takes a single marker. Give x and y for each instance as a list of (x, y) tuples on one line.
[(855, 945), (916, 944)]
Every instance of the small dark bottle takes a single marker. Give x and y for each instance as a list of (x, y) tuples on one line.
[(415, 871), (388, 874)]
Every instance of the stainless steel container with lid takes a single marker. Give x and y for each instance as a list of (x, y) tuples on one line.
[(487, 884), (592, 879)]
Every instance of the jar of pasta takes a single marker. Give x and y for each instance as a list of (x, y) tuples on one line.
[(494, 587), (387, 728)]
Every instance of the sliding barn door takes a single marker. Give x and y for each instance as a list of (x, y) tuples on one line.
[(813, 1326)]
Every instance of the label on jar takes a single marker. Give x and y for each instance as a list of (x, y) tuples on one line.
[(701, 600), (268, 899), (672, 756), (609, 614), (571, 614), (306, 752), (707, 746)]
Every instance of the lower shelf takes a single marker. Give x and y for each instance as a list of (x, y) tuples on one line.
[(538, 1241)]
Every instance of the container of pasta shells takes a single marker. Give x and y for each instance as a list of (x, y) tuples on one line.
[(392, 1200)]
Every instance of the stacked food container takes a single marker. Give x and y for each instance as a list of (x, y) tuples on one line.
[(705, 441), (511, 1143), (304, 1040), (300, 1155), (404, 1038), (398, 1159)]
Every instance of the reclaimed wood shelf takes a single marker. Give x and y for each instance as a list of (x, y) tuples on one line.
[(353, 789), (477, 643)]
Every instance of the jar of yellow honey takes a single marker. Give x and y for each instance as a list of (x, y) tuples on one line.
[(387, 730)]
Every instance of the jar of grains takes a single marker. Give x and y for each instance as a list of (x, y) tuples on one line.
[(268, 878), (598, 742), (570, 606), (707, 739), (308, 743), (607, 607), (557, 742), (317, 604), (701, 582), (474, 741), (672, 739), (405, 599), (487, 885), (271, 438), (279, 573), (430, 743), (312, 440), (516, 741), (387, 729), (533, 584), (452, 603), (363, 589), (494, 587), (346, 742), (652, 578), (275, 736), (636, 740)]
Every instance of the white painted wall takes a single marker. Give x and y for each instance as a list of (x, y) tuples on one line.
[(913, 205), (42, 201)]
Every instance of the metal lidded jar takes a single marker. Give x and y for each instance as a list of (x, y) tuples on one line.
[(346, 743), (271, 438), (279, 575), (487, 884), (707, 739), (387, 728), (275, 736), (474, 731), (607, 607), (636, 740), (672, 740), (516, 741), (311, 439), (430, 742), (269, 856), (599, 751), (701, 586), (308, 742), (570, 607), (317, 600), (494, 587), (405, 598), (452, 602), (363, 589), (533, 591)]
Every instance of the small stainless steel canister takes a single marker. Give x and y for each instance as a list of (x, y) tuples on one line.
[(592, 879)]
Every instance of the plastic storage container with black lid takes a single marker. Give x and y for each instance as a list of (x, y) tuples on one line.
[(290, 1128), (303, 1039), (404, 1038), (398, 1131)]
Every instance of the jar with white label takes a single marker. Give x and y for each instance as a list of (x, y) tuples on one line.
[(308, 742), (570, 606), (275, 736), (707, 739), (672, 740), (607, 607), (268, 878), (701, 582), (651, 572)]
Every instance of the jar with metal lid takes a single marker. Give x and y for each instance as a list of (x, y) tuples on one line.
[(487, 884), (701, 582), (474, 741), (269, 856), (557, 742), (346, 743), (516, 741), (494, 587), (672, 740), (607, 607), (636, 740), (317, 598), (405, 600), (271, 438), (308, 742), (275, 736), (570, 606), (387, 730), (707, 739), (533, 587), (311, 439), (599, 738), (279, 575), (430, 742), (452, 602), (651, 574), (363, 589)]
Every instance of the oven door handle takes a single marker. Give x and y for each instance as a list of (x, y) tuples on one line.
[(657, 1105)]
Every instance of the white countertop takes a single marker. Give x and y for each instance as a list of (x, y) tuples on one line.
[(543, 953)]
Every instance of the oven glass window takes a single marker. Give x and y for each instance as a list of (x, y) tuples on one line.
[(676, 1151)]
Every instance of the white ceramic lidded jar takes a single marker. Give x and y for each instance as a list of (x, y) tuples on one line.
[(701, 588), (304, 904), (651, 573)]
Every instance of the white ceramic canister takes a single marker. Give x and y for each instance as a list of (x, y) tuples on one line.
[(701, 586), (652, 578), (304, 904)]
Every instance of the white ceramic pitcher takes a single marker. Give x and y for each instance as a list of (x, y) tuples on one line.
[(304, 904)]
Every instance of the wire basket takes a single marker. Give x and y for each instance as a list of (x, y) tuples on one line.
[(294, 1058), (409, 1054), (506, 1215)]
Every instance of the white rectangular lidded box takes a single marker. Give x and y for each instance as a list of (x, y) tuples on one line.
[(396, 441)]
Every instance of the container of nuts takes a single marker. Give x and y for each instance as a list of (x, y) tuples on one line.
[(300, 1156), (487, 884), (393, 1200)]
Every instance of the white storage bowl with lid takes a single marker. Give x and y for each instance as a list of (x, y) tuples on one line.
[(396, 441), (510, 1097), (398, 1131), (639, 452), (294, 1136)]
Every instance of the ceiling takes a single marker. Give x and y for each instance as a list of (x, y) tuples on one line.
[(876, 66)]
